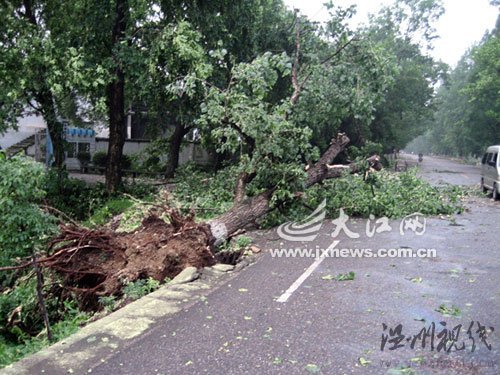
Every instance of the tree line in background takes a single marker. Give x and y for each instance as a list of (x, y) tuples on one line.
[(261, 83), (467, 117)]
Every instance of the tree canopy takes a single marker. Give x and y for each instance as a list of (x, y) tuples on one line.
[(467, 119), (88, 61)]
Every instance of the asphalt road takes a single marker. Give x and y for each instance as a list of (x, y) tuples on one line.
[(336, 327)]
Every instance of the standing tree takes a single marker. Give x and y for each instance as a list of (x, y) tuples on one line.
[(227, 32), (38, 70), (405, 31)]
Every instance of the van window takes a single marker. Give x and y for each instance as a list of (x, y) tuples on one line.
[(492, 160), (483, 160)]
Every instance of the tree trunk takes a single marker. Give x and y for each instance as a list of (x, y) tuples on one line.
[(45, 100), (175, 143), (116, 105), (249, 210)]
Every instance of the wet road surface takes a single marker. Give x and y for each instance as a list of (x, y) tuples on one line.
[(327, 326)]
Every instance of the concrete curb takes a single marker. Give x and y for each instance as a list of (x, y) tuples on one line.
[(99, 340)]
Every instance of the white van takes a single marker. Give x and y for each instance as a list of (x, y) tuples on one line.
[(490, 171)]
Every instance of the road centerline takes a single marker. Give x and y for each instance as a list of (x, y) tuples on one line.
[(297, 283)]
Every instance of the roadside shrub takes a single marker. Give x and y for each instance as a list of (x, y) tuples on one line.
[(74, 197), (83, 158), (153, 164), (100, 158), (243, 242), (112, 207), (137, 289), (25, 227), (126, 162)]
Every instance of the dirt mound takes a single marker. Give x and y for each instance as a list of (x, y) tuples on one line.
[(96, 263)]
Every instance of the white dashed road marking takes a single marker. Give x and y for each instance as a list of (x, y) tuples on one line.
[(284, 297)]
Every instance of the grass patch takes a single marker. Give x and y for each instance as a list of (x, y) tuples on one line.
[(112, 207), (14, 349)]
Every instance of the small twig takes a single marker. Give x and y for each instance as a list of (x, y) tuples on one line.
[(62, 215)]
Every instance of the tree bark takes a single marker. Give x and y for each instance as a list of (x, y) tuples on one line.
[(243, 179), (175, 143), (45, 100), (250, 209), (116, 104)]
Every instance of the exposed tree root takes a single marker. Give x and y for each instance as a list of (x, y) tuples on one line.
[(94, 263)]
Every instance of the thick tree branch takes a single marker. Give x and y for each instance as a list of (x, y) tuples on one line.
[(248, 210), (244, 178)]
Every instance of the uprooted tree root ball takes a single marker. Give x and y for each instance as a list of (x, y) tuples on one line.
[(95, 263)]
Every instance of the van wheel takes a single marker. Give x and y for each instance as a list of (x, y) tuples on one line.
[(483, 188), (496, 196)]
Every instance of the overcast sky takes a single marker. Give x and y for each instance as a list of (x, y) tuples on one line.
[(463, 24)]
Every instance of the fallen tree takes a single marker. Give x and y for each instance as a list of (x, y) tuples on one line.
[(250, 209), (99, 262), (270, 146)]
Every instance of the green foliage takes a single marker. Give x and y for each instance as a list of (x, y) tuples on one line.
[(150, 159), (74, 197), (246, 123), (126, 162), (467, 119), (449, 311), (388, 194), (243, 242), (137, 289), (408, 104), (108, 303), (384, 193), (340, 93), (25, 227), (367, 150), (99, 159), (110, 208), (83, 157), (345, 276), (17, 344), (23, 294), (22, 330), (340, 277), (80, 201), (209, 194)]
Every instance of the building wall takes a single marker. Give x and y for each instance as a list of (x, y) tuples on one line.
[(192, 151)]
